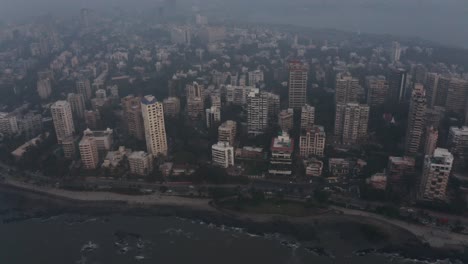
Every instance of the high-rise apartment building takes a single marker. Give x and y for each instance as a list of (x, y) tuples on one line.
[(155, 130), (171, 106), (30, 124), (195, 100), (227, 132), (77, 105), (273, 106), (396, 52), (257, 112), (397, 84), (457, 95), (307, 116), (298, 73), (222, 154), (400, 171), (63, 120), (92, 119), (430, 144), (216, 100), (312, 142), (133, 117), (377, 90), (83, 86), (286, 119), (103, 139), (458, 146), (69, 147), (213, 116), (89, 153), (432, 89), (255, 77), (351, 122), (238, 94), (8, 123), (44, 88), (346, 89), (416, 124), (435, 175)]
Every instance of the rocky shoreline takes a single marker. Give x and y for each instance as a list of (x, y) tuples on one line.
[(386, 239)]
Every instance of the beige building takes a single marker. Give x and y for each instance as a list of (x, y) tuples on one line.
[(435, 175), (312, 142), (227, 132), (416, 122), (77, 105), (222, 154), (298, 73), (171, 106), (103, 138), (257, 112), (63, 120), (155, 130), (141, 163), (89, 153), (351, 123), (286, 119), (347, 89), (307, 116), (133, 118)]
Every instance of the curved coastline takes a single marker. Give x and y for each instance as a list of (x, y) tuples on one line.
[(396, 238)]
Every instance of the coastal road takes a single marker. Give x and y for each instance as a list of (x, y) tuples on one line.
[(434, 236)]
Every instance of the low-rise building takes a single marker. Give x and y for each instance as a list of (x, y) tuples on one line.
[(313, 167), (339, 167), (114, 159), (248, 152), (222, 154), (378, 181), (141, 163)]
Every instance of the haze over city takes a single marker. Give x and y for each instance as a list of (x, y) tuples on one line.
[(442, 21), (249, 131)]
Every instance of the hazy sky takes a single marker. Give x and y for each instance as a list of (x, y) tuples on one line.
[(444, 21)]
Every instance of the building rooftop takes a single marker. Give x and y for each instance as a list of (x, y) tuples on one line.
[(401, 160), (138, 155), (60, 103), (148, 100), (459, 130), (282, 143), (441, 156)]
